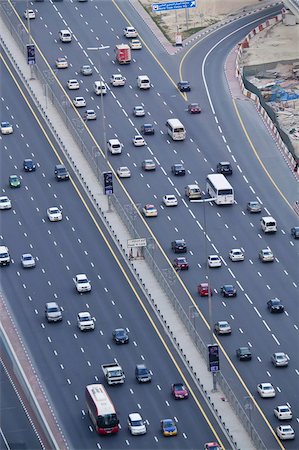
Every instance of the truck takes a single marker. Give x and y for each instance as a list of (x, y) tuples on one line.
[(113, 373), (123, 53)]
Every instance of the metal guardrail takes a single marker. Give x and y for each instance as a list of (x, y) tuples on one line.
[(126, 211)]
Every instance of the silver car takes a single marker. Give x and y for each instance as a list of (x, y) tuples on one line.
[(266, 255), (53, 312), (27, 260), (138, 111), (86, 69), (280, 359)]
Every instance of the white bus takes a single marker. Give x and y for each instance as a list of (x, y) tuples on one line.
[(176, 129), (100, 409), (219, 188)]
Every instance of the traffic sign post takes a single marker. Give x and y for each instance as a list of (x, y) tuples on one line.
[(172, 6)]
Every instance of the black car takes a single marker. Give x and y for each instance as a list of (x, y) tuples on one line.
[(29, 165), (179, 246), (228, 290), (295, 232), (225, 168), (147, 128), (142, 374), (120, 336), (178, 169), (184, 86), (243, 353), (60, 172), (275, 306)]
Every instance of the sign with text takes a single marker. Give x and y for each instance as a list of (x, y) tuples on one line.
[(30, 53), (137, 242), (172, 6), (108, 183), (213, 353)]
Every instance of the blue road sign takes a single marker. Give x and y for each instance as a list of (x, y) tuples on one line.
[(171, 6)]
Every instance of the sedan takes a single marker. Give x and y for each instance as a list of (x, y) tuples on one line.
[(136, 424), (29, 14), (150, 211), (79, 102), (29, 165), (14, 181), (179, 246), (85, 321), (5, 202), (295, 232), (224, 167), (214, 261), (236, 254), (148, 164), (243, 353), (147, 128), (86, 70), (181, 263), (138, 111), (73, 84), (138, 141), (27, 260), (123, 172), (203, 290), (212, 446), (61, 63), (178, 169), (283, 412), (179, 391), (6, 128), (266, 390), (194, 108), (222, 327), (90, 114), (184, 86), (228, 290), (285, 432), (275, 306), (130, 32), (135, 44), (266, 255), (280, 359), (254, 207), (54, 214), (170, 200), (168, 427), (120, 336)]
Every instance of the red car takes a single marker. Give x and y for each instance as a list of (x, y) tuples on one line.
[(181, 263), (212, 446), (194, 108), (203, 289), (179, 391)]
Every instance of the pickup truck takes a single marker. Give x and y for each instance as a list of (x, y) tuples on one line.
[(113, 373)]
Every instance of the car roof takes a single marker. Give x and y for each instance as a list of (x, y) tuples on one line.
[(51, 304), (83, 314)]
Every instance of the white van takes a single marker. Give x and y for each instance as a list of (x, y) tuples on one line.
[(268, 224), (143, 82), (4, 256), (100, 87), (65, 36), (114, 146), (193, 191)]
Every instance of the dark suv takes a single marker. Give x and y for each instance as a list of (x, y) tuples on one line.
[(225, 168), (179, 246), (60, 172), (147, 128), (275, 306), (142, 373)]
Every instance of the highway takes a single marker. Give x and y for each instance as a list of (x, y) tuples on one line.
[(211, 137), (65, 358)]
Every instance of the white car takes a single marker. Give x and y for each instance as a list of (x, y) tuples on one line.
[(266, 390), (90, 114), (280, 359), (123, 172), (27, 260), (136, 424), (85, 321), (117, 80), (135, 44), (236, 254), (5, 203), (6, 128), (29, 14), (73, 84), (138, 111), (54, 214), (214, 261), (170, 200), (266, 255), (283, 412), (285, 432), (130, 32), (150, 211), (61, 63), (79, 102), (138, 141), (82, 283)]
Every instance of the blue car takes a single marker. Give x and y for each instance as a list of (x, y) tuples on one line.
[(168, 427)]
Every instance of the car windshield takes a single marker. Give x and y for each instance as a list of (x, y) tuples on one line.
[(53, 309), (120, 333), (168, 423), (179, 387), (275, 301), (82, 280), (136, 423), (84, 318), (143, 371), (27, 258)]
